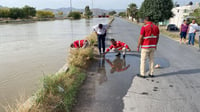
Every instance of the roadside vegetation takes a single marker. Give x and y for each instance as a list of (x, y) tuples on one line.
[(15, 13), (25, 14), (88, 13), (122, 14), (58, 91), (74, 15), (112, 13), (45, 14)]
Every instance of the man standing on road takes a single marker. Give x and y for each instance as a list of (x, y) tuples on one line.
[(101, 30), (148, 40), (197, 28), (192, 32)]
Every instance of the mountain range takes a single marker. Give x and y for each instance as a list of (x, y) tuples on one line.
[(96, 11)]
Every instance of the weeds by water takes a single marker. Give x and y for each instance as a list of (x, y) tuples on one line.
[(80, 57), (59, 91), (92, 38)]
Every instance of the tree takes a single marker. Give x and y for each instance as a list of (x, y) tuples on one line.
[(157, 10), (60, 13), (88, 12), (196, 15), (122, 14), (112, 12), (132, 11), (4, 12), (74, 15), (29, 11), (16, 13), (45, 14)]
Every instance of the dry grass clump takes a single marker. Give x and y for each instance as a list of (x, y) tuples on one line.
[(92, 38), (174, 35), (20, 106), (59, 91), (80, 57)]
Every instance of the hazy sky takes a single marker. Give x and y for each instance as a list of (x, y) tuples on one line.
[(104, 4)]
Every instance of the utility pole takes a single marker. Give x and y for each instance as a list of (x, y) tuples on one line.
[(92, 9), (92, 4), (70, 5)]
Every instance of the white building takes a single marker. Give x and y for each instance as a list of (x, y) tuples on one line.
[(182, 13)]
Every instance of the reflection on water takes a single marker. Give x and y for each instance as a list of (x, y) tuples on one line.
[(29, 51), (118, 64), (102, 71)]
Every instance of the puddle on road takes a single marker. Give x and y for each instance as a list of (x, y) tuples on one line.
[(112, 77)]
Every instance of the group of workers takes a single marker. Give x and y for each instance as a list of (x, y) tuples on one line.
[(101, 31), (147, 41)]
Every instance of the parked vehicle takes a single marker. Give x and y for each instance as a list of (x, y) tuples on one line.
[(171, 27)]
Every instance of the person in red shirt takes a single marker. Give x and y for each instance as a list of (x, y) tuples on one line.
[(79, 44), (148, 41), (118, 46)]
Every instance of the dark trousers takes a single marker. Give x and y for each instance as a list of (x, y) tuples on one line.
[(101, 43), (199, 41)]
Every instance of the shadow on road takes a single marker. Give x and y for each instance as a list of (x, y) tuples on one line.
[(181, 72)]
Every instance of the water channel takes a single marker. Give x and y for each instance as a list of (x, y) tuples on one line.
[(30, 51)]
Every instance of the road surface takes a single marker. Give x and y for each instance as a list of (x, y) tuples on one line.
[(176, 87)]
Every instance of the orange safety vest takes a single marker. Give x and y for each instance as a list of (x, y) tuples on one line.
[(150, 37)]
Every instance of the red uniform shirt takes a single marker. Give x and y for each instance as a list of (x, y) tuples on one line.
[(79, 43), (119, 46), (150, 33)]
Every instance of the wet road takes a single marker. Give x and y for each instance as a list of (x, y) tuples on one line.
[(175, 88)]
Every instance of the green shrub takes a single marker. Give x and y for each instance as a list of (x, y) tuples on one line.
[(75, 15), (45, 14)]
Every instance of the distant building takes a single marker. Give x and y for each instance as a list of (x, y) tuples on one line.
[(182, 13)]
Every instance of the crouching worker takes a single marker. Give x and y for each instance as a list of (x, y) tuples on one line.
[(118, 46), (80, 44)]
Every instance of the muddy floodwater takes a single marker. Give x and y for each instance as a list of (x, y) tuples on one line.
[(30, 51)]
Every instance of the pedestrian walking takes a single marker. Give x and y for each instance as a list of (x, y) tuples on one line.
[(118, 46), (183, 31), (79, 44), (192, 32), (101, 30), (148, 40)]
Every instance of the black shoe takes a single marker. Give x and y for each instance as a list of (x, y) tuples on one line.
[(151, 75), (118, 54), (124, 55), (141, 76)]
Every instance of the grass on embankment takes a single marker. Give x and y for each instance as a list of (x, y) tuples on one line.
[(58, 93)]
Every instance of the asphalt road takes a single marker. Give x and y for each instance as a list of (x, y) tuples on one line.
[(176, 87)]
